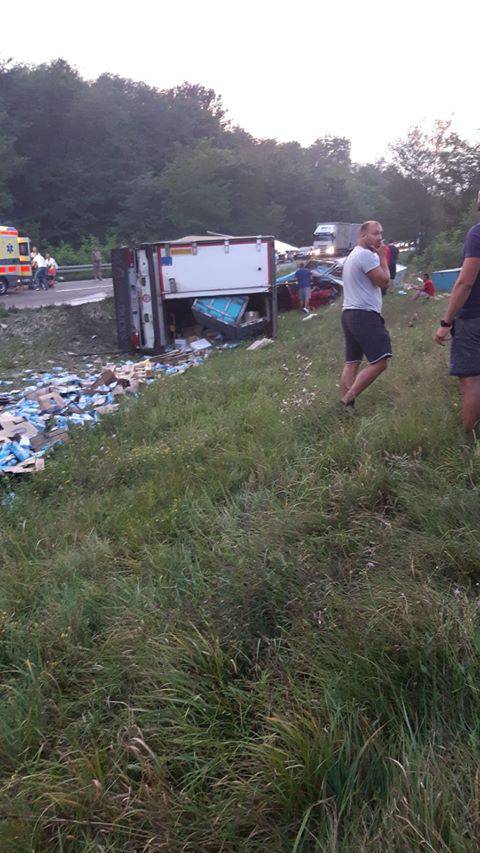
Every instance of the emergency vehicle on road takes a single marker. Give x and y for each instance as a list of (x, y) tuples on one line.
[(10, 273)]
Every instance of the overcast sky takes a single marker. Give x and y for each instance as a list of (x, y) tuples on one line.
[(296, 70)]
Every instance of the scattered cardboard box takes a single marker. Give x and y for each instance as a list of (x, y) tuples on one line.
[(11, 425), (30, 466), (259, 344), (108, 408), (51, 402), (44, 440), (200, 345)]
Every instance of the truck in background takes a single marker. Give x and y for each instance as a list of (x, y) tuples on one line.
[(335, 239), (155, 285)]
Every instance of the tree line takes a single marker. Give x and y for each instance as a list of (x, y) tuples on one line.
[(114, 159)]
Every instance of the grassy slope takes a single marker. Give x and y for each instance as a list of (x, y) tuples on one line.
[(231, 622), (35, 338)]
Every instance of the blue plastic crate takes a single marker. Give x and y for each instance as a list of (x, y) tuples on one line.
[(226, 309)]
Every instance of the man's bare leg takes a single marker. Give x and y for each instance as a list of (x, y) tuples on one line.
[(364, 379), (470, 391), (349, 373)]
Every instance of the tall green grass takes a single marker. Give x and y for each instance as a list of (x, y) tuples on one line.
[(233, 619)]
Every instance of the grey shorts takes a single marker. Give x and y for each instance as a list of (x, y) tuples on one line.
[(305, 293), (465, 348)]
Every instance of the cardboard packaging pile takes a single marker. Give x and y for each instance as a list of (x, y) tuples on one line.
[(37, 418)]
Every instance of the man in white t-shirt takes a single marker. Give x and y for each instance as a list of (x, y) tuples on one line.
[(40, 265), (365, 276)]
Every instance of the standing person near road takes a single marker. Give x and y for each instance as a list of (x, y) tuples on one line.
[(40, 265), (462, 320), (52, 268), (304, 282), (365, 277), (392, 258), (97, 263)]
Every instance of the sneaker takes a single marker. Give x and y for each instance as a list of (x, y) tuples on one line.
[(306, 310)]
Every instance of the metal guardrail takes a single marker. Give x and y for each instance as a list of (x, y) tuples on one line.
[(81, 267)]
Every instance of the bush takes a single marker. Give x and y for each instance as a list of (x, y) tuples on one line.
[(65, 254)]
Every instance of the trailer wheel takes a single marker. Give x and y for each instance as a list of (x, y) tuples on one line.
[(3, 286)]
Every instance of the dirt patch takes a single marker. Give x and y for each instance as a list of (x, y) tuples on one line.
[(57, 334)]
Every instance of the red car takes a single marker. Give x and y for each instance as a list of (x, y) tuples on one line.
[(322, 294)]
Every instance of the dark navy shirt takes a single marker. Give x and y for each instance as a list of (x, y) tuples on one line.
[(471, 249), (304, 277)]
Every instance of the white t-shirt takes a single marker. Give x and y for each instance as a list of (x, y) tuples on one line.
[(39, 260), (358, 291), (52, 263)]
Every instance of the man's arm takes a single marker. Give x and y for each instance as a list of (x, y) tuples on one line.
[(460, 293), (380, 276)]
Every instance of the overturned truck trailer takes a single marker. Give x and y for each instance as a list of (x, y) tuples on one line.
[(155, 286)]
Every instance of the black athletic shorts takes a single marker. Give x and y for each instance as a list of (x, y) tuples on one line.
[(365, 335), (465, 349)]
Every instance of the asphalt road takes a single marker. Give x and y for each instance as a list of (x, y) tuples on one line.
[(64, 293), (67, 293)]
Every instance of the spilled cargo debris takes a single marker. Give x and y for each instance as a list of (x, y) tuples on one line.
[(260, 344), (37, 417)]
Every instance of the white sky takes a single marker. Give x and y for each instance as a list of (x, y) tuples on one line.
[(296, 70)]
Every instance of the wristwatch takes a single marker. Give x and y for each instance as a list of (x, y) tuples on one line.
[(445, 325)]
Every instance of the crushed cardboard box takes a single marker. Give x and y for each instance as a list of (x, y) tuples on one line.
[(28, 467), (11, 425), (38, 418), (51, 402), (259, 344)]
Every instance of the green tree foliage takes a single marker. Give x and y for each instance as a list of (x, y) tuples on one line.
[(445, 167), (10, 163), (446, 249), (115, 156)]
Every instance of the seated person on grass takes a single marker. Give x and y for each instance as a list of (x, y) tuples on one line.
[(425, 290)]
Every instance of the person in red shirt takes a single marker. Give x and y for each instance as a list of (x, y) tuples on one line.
[(427, 289)]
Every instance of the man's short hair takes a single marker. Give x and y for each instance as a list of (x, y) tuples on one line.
[(365, 226), (426, 275)]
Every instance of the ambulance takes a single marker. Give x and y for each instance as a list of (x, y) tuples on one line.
[(10, 267)]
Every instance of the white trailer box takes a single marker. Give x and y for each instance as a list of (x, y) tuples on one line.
[(335, 239), (155, 284)]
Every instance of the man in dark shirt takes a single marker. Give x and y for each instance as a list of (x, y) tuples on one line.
[(304, 282), (462, 319), (392, 258)]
